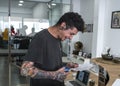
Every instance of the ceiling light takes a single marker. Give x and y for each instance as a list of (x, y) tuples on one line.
[(20, 4), (21, 1), (53, 4)]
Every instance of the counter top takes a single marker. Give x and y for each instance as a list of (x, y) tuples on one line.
[(112, 68)]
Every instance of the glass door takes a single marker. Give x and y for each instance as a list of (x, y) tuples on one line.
[(26, 15)]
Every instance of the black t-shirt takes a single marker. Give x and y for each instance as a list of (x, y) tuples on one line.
[(45, 52)]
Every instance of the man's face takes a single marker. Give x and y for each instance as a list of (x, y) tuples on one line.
[(68, 34)]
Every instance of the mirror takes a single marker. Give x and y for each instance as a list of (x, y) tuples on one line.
[(28, 15), (38, 14)]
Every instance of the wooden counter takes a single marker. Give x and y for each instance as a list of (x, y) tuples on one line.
[(112, 68)]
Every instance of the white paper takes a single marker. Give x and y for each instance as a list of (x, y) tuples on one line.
[(116, 82), (85, 66), (82, 67)]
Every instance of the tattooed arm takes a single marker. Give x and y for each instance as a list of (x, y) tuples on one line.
[(28, 69)]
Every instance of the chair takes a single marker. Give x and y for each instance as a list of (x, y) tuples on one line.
[(24, 43), (1, 42)]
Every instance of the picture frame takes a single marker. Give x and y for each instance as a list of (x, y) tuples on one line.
[(88, 28), (115, 20)]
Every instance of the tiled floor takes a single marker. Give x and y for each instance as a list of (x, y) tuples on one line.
[(16, 78)]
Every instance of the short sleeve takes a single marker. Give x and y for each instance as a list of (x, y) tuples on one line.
[(35, 51)]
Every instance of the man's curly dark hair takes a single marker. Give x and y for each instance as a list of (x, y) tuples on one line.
[(72, 19)]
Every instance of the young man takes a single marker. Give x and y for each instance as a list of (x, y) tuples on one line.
[(43, 62)]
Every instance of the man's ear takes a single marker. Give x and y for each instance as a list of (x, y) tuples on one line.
[(63, 25)]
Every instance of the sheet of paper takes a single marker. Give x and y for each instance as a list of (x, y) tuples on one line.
[(85, 66), (116, 82), (82, 67)]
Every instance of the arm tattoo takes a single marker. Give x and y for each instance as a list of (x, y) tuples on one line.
[(50, 75), (28, 69)]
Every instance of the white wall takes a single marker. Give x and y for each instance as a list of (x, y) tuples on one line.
[(103, 37), (112, 35), (87, 12), (75, 8), (76, 5), (99, 25), (86, 9), (40, 11)]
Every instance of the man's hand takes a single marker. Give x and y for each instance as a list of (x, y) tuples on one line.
[(72, 65), (61, 74)]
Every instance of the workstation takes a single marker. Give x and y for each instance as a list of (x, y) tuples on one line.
[(40, 14), (109, 66)]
